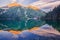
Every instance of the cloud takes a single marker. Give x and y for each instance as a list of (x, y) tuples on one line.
[(14, 1), (48, 0), (26, 2), (4, 2)]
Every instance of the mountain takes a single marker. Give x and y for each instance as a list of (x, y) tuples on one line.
[(11, 5), (21, 18)]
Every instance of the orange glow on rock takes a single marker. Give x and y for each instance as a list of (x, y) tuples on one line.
[(14, 4), (1, 30), (15, 32), (33, 29), (33, 7)]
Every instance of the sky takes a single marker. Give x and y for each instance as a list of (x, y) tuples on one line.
[(4, 2), (37, 3), (25, 2)]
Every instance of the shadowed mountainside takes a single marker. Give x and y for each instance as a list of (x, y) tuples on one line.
[(20, 18)]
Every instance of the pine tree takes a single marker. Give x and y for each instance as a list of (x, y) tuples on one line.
[(53, 18)]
